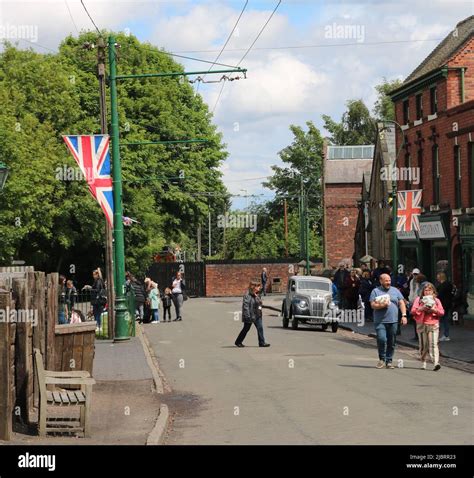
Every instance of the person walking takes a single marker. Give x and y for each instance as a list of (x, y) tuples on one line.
[(167, 301), (414, 291), (98, 297), (178, 288), (154, 298), (445, 295), (340, 277), (264, 278), (385, 301), (140, 296), (252, 314), (427, 309)]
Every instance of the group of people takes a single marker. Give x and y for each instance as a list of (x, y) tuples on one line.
[(411, 296), (149, 298), (388, 306)]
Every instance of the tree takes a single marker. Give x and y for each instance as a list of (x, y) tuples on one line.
[(384, 108), (53, 223), (304, 170), (355, 128)]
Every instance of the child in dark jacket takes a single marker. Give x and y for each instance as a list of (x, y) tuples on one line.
[(167, 302)]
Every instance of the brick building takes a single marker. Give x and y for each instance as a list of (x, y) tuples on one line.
[(344, 169), (435, 108), (374, 227)]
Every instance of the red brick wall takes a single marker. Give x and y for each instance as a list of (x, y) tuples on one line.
[(341, 220), (450, 111), (232, 280)]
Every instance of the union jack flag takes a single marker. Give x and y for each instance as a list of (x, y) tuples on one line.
[(92, 155), (409, 210)]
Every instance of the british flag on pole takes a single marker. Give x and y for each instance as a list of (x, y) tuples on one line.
[(92, 155), (409, 210)]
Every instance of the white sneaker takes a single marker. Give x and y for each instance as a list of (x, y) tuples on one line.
[(423, 365), (444, 339)]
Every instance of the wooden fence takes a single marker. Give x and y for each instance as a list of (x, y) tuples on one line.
[(31, 298)]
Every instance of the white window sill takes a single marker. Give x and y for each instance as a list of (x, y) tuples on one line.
[(418, 122), (405, 127), (432, 117)]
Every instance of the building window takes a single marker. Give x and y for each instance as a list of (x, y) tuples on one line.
[(436, 178), (419, 106), (457, 176), (406, 111), (420, 169), (471, 174), (407, 172), (434, 100)]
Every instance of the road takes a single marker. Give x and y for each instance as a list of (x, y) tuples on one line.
[(309, 387)]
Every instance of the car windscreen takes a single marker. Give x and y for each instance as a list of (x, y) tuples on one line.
[(313, 285)]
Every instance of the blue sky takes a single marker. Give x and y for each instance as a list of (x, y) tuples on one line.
[(284, 86)]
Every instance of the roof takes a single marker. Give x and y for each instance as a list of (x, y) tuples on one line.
[(345, 171), (445, 50)]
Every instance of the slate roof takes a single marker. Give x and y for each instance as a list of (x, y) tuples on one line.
[(445, 50)]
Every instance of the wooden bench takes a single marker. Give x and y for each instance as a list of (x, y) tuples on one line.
[(66, 399)]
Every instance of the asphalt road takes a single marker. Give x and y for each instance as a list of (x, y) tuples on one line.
[(309, 387)]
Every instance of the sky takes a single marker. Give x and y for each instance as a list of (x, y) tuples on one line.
[(343, 50)]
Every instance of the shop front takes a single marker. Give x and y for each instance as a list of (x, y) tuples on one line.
[(466, 233), (435, 246), (409, 250)]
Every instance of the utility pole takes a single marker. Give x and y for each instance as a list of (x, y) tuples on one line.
[(323, 197), (121, 324), (209, 206), (286, 227), (199, 243), (109, 268)]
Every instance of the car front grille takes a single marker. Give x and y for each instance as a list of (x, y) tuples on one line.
[(317, 307)]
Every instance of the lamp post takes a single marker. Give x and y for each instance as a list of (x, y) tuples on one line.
[(3, 175), (394, 198)]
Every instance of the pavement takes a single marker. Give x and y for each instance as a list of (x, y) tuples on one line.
[(125, 405), (460, 348), (309, 387)]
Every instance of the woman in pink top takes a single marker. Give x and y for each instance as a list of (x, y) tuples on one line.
[(426, 311)]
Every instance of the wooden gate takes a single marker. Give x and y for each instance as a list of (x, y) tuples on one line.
[(193, 274)]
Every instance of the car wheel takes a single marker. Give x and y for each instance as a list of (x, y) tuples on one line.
[(286, 321), (294, 323), (334, 327), (325, 327)]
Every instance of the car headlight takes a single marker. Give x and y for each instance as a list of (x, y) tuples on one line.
[(332, 305), (302, 304)]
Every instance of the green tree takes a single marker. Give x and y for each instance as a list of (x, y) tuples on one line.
[(54, 223), (384, 108), (355, 128)]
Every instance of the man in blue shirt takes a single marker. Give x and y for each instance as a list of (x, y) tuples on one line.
[(386, 318)]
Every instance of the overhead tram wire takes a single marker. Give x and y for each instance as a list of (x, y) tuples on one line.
[(72, 18), (92, 20), (230, 35), (331, 45), (248, 51)]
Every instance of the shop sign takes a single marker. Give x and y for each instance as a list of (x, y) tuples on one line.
[(467, 228), (406, 235), (431, 230)]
